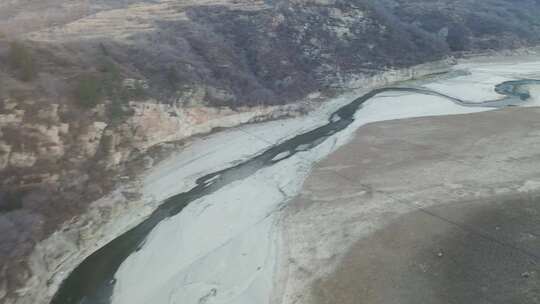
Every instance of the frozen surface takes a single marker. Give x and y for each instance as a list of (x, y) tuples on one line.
[(479, 84), (223, 248), (219, 151)]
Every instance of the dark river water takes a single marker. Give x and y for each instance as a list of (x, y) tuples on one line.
[(92, 282)]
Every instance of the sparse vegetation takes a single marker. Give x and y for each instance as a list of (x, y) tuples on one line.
[(107, 84), (110, 76), (118, 111), (89, 91), (20, 60), (172, 77), (139, 91)]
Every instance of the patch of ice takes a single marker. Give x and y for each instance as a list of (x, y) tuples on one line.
[(479, 85), (281, 155), (530, 186)]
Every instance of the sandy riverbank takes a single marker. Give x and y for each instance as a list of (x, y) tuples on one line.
[(354, 191), (433, 210)]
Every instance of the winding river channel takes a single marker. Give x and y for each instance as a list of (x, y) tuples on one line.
[(93, 281)]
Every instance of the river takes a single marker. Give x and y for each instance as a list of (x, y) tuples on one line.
[(94, 280)]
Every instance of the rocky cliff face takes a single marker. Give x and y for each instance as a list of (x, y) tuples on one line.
[(90, 87)]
